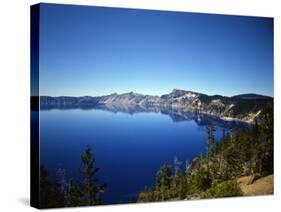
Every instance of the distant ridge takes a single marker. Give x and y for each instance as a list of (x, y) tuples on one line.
[(244, 107), (251, 96)]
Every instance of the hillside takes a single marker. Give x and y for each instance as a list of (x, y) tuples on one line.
[(240, 164), (261, 186), (246, 107)]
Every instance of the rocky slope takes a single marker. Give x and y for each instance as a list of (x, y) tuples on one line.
[(261, 186), (246, 107)]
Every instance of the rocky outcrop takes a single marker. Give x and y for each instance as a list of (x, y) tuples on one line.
[(261, 186)]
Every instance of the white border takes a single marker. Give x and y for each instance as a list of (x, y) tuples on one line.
[(14, 113)]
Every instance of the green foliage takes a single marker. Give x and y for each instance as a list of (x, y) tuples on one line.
[(91, 189), (180, 186), (75, 195), (228, 188), (146, 195), (86, 192), (211, 139), (198, 182), (163, 183), (163, 176), (50, 194)]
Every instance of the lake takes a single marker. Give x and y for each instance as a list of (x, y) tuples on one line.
[(128, 148)]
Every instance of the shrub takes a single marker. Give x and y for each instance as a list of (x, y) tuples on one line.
[(200, 181), (228, 188)]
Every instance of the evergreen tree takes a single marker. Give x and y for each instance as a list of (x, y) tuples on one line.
[(74, 194), (211, 143), (91, 188), (50, 194), (179, 185), (163, 183), (163, 177)]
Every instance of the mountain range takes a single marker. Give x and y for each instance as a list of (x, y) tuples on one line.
[(244, 107)]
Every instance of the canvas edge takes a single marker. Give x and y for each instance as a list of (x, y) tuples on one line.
[(34, 106)]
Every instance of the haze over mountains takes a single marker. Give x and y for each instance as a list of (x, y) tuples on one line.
[(245, 107)]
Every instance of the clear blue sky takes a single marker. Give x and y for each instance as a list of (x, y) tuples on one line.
[(98, 51)]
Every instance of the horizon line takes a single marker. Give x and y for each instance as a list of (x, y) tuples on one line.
[(157, 95)]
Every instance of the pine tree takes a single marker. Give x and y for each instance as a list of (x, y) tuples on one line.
[(91, 189), (50, 194), (163, 177), (211, 143), (74, 194), (163, 182)]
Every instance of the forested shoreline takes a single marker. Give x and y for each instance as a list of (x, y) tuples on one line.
[(243, 152)]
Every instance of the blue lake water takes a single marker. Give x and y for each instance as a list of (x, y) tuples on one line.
[(129, 149)]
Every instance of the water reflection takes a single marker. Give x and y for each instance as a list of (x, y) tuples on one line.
[(177, 115)]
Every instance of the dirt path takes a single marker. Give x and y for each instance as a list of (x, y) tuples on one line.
[(262, 186)]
